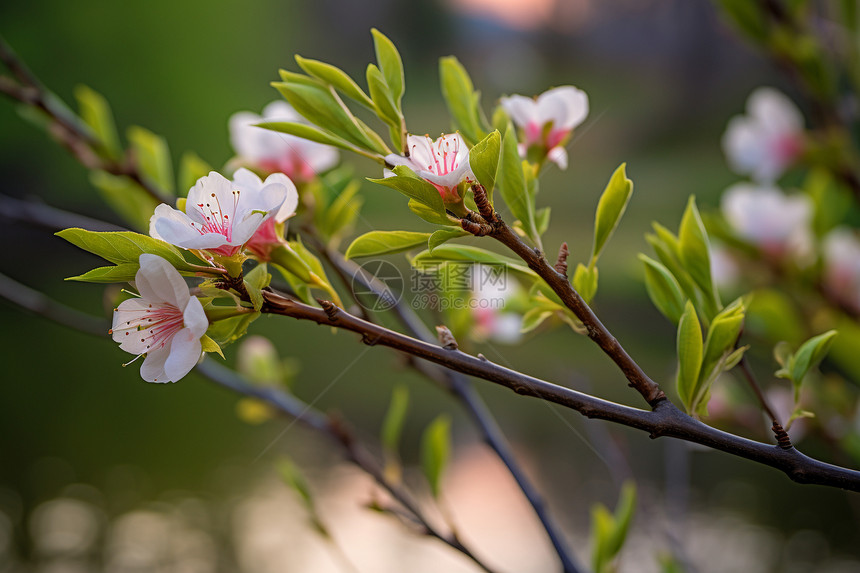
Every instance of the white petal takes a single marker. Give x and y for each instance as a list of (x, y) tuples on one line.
[(245, 136), (158, 281), (558, 155), (291, 202), (182, 234), (507, 327), (279, 110), (152, 369), (523, 110), (774, 111), (246, 179), (565, 106), (743, 145), (320, 157), (245, 228), (194, 317), (213, 190), (185, 351), (421, 152)]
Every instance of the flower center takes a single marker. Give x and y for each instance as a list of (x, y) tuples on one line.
[(216, 219), (445, 159), (154, 325)]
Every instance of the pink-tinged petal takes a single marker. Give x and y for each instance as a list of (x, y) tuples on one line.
[(152, 369), (565, 106), (291, 202), (165, 211), (185, 352), (245, 137), (558, 155), (421, 152), (188, 237), (523, 110), (279, 110), (774, 111), (194, 318), (158, 281), (243, 230)]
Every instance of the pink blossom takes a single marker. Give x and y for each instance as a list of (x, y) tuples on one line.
[(443, 163), (548, 120)]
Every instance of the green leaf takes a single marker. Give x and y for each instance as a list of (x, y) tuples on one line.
[(585, 282), (512, 183), (390, 63), (430, 215), (414, 187), (122, 273), (392, 424), (690, 351), (255, 281), (338, 217), (336, 77), (128, 199), (124, 246), (320, 107), (229, 330), (484, 160), (461, 99), (694, 250), (209, 345), (435, 450), (542, 220), (377, 243), (663, 289), (610, 208), (294, 478), (623, 517), (469, 254), (96, 113), (533, 318), (810, 354), (152, 157), (307, 132), (287, 258), (383, 100), (444, 235), (722, 337)]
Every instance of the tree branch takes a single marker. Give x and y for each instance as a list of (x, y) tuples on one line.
[(664, 420)]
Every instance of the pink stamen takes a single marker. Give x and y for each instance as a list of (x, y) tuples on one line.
[(156, 325)]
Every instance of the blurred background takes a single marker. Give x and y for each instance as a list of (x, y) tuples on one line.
[(102, 471)]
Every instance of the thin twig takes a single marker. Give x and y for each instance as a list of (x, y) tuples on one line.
[(461, 387)]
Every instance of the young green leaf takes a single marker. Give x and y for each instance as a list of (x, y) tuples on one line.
[(610, 208), (336, 77), (377, 243), (255, 281), (484, 161), (460, 97), (512, 183), (810, 354), (294, 478), (585, 282), (694, 250), (391, 65), (414, 187), (383, 100), (121, 273), (624, 510), (430, 215), (338, 217), (663, 289), (392, 425), (229, 330), (152, 157), (469, 254), (690, 350), (308, 132), (124, 246), (96, 113), (444, 235), (435, 450)]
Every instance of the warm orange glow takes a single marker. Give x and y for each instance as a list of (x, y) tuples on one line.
[(519, 14)]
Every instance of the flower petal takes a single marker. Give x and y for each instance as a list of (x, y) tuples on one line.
[(558, 155), (185, 351), (565, 106), (523, 110), (291, 201), (158, 281), (194, 318), (774, 111), (152, 369)]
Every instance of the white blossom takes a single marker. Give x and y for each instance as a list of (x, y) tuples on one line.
[(768, 139), (444, 163), (221, 216), (270, 151), (842, 265), (562, 108), (165, 324), (776, 223)]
